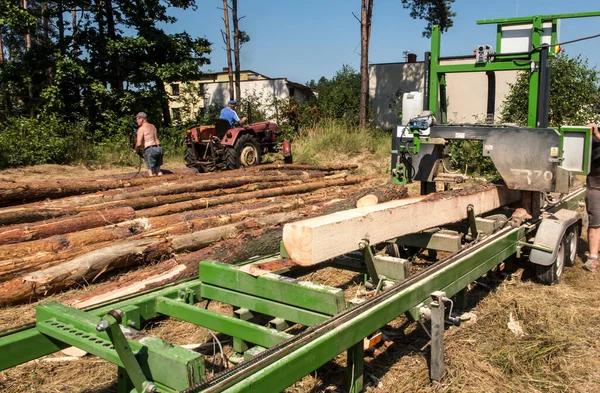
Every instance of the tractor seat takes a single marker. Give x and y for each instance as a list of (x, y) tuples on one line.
[(221, 127)]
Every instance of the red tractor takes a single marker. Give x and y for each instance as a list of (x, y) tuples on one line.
[(211, 148)]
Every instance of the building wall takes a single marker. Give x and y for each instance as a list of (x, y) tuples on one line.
[(217, 93), (466, 92)]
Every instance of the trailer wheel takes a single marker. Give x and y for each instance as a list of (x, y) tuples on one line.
[(551, 274), (248, 150), (571, 240)]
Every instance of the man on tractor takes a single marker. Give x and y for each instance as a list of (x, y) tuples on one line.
[(228, 113)]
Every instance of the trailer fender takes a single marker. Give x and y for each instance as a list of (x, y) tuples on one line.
[(550, 233)]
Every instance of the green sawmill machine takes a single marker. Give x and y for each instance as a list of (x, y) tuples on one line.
[(310, 324)]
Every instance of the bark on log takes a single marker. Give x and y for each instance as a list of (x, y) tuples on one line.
[(207, 202), (317, 239), (88, 267), (85, 220)]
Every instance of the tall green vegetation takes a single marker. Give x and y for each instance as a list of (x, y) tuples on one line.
[(574, 96), (86, 66)]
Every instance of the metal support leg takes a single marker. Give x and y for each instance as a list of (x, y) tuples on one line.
[(369, 261), (437, 336), (461, 299), (124, 384), (111, 325), (472, 221), (355, 367)]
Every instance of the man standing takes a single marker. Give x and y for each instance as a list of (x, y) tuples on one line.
[(228, 113), (153, 153), (592, 202)]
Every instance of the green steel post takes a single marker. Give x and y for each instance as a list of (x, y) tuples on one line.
[(355, 360), (499, 38), (534, 76), (434, 65)]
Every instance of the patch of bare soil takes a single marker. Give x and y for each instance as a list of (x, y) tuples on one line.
[(51, 171)]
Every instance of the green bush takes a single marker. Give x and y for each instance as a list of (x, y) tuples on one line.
[(27, 141)]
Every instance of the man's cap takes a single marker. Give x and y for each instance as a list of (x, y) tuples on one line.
[(232, 102), (141, 115)]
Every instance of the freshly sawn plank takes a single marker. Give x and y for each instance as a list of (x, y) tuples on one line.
[(319, 239)]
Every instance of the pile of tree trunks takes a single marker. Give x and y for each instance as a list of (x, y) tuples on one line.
[(58, 234)]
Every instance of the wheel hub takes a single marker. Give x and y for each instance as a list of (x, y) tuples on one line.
[(248, 156)]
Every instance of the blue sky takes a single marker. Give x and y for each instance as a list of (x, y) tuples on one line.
[(307, 39)]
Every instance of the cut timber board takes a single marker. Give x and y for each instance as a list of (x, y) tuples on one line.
[(319, 239)]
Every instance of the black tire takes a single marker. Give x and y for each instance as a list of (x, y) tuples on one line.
[(571, 242), (231, 158), (551, 274), (248, 150), (190, 159)]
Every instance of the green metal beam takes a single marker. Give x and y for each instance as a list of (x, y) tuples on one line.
[(292, 367), (264, 306), (529, 19), (482, 67), (161, 361), (247, 331), (304, 294)]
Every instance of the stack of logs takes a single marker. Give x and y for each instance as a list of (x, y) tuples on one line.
[(58, 234)]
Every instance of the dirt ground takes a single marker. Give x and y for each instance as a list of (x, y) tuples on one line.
[(557, 351)]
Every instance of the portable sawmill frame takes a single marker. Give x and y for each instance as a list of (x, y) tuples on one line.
[(326, 324)]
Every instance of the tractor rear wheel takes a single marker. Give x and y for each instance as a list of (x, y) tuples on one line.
[(231, 158), (248, 151), (190, 158)]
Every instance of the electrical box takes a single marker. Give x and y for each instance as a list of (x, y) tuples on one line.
[(576, 149)]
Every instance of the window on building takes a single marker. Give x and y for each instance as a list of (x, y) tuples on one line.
[(292, 91), (176, 114), (175, 89)]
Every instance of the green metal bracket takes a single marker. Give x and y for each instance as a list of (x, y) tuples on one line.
[(369, 261), (309, 296), (171, 367), (111, 325)]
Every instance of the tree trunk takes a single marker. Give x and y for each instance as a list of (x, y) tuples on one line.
[(236, 48), (26, 232), (164, 103), (115, 75), (5, 93), (227, 40), (365, 35)]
